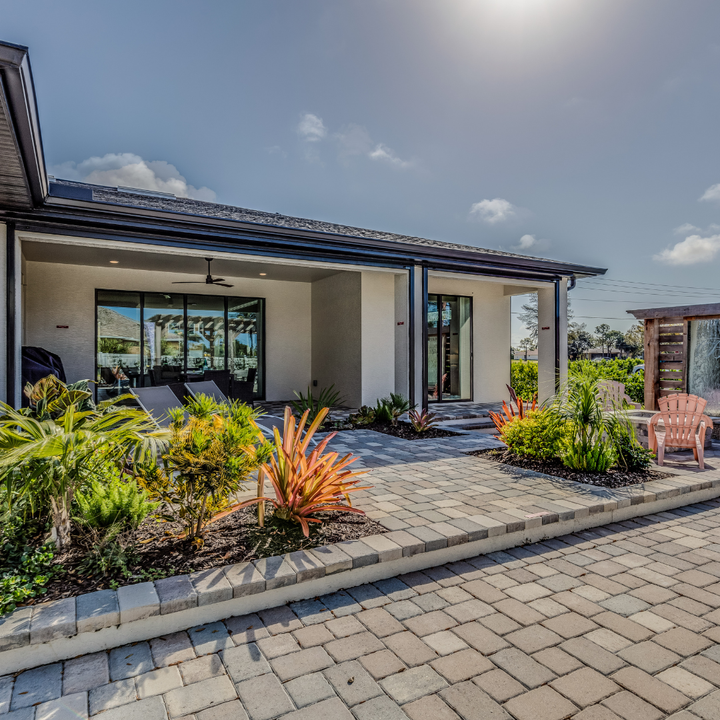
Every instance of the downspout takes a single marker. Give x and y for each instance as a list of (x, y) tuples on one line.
[(10, 320), (557, 335), (411, 335), (424, 389)]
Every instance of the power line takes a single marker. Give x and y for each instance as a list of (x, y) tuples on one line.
[(643, 284)]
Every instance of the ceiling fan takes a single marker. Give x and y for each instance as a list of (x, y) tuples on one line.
[(209, 280)]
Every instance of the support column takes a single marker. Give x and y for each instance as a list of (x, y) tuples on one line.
[(13, 315), (424, 337), (3, 311), (552, 338)]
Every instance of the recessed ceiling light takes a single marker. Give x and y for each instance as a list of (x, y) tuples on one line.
[(114, 262), (263, 273)]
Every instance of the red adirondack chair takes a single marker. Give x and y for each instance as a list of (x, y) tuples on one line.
[(684, 426)]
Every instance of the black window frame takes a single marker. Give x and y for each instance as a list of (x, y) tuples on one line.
[(259, 395)]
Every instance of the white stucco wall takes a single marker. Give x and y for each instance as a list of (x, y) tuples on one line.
[(336, 339), (65, 295), (491, 333), (378, 335)]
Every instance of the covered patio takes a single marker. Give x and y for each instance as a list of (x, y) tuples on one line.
[(128, 314)]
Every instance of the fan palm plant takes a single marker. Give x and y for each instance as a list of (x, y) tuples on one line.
[(63, 449)]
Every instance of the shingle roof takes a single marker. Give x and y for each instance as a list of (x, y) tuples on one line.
[(117, 196)]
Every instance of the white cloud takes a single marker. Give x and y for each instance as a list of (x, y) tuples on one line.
[(130, 170), (493, 211), (693, 249), (354, 140), (686, 228), (530, 242), (712, 193), (385, 154), (526, 242), (311, 128)]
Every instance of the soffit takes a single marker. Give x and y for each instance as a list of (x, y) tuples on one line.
[(14, 189), (67, 254)]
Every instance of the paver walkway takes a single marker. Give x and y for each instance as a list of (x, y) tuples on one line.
[(618, 623)]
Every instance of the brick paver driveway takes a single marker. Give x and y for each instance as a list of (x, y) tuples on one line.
[(618, 622)]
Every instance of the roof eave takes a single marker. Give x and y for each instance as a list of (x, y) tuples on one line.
[(427, 254), (19, 88)]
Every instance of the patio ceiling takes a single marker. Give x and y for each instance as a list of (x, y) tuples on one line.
[(66, 254)]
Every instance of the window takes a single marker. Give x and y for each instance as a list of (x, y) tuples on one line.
[(449, 350), (149, 338)]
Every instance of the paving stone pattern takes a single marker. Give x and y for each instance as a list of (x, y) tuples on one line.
[(616, 623)]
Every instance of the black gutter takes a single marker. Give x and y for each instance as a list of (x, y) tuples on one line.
[(10, 323)]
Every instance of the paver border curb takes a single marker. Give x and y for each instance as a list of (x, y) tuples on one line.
[(62, 629)]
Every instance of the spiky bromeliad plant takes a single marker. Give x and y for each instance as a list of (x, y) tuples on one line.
[(306, 484), (63, 442), (522, 407), (209, 457)]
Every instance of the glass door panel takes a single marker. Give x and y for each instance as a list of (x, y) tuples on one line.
[(163, 324), (245, 322), (449, 348), (118, 342), (205, 333)]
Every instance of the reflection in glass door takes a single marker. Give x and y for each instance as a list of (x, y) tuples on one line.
[(449, 348)]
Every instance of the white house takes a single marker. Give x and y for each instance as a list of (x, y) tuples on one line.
[(102, 276)]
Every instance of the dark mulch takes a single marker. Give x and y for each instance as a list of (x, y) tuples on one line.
[(611, 479), (404, 430), (235, 538)]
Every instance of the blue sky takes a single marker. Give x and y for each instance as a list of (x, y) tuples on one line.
[(585, 131)]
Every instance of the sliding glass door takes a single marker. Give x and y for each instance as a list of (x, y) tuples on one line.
[(449, 350), (152, 338)]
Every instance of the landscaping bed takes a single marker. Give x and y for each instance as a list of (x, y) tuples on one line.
[(612, 478), (404, 430), (157, 552)]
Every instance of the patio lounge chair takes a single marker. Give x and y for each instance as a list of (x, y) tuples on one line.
[(614, 397), (684, 426), (206, 387), (157, 402)]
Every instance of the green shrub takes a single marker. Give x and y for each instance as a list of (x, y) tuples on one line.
[(589, 446), (326, 398), (540, 434), (115, 503), (25, 570), (524, 375), (389, 409), (635, 387), (364, 416), (631, 455), (524, 378), (209, 458)]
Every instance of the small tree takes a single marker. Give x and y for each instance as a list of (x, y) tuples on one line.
[(602, 333), (527, 344), (579, 340)]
